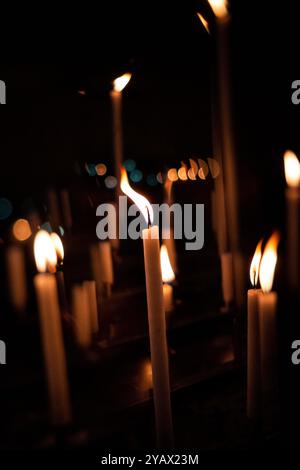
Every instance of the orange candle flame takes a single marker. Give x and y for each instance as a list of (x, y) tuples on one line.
[(142, 203), (44, 252), (291, 169), (120, 83), (166, 268), (254, 267), (268, 263), (58, 246)]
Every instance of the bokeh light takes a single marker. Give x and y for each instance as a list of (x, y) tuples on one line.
[(172, 175), (136, 176), (21, 230), (110, 182), (6, 208), (151, 180), (90, 168), (129, 165), (191, 174), (203, 169), (214, 167), (101, 169), (159, 178), (182, 174), (61, 230)]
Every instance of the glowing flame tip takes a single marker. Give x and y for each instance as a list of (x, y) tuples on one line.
[(120, 83), (166, 268)]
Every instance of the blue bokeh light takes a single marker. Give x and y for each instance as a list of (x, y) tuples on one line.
[(6, 208), (136, 176)]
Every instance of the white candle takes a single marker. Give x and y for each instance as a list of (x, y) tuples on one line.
[(158, 341), (253, 342), (16, 271), (227, 279), (156, 319), (51, 331), (90, 287), (102, 267), (267, 306), (116, 100), (82, 318), (292, 196)]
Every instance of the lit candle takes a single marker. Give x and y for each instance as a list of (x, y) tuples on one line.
[(16, 272), (168, 235), (51, 329), (156, 319), (267, 306), (82, 317), (168, 277), (253, 344), (292, 196), (116, 99), (220, 10)]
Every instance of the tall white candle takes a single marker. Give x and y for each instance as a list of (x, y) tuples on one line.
[(51, 331), (16, 272), (156, 320), (90, 287), (116, 100), (168, 276), (292, 196), (267, 306), (158, 341), (253, 342)]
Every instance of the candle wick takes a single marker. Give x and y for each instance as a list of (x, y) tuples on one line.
[(149, 222)]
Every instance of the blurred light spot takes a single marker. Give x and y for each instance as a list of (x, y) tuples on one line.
[(214, 167), (47, 226), (191, 174), (21, 230), (136, 176), (110, 182), (172, 174), (82, 92), (101, 169), (182, 174), (129, 165), (203, 169), (61, 230), (90, 168), (194, 166), (151, 180), (6, 208), (159, 178)]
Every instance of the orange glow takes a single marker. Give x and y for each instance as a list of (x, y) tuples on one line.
[(182, 174), (268, 263), (291, 169), (191, 174), (166, 268), (21, 230), (214, 167), (193, 171), (203, 169), (219, 7), (58, 246), (204, 22), (254, 267), (101, 169), (121, 82), (44, 252), (172, 175), (142, 203)]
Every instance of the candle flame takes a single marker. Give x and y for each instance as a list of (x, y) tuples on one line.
[(166, 268), (44, 252), (204, 22), (268, 263), (254, 267), (120, 83), (219, 7), (142, 203), (58, 246), (291, 169)]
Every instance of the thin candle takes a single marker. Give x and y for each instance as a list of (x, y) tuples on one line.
[(168, 277), (156, 319), (51, 329)]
